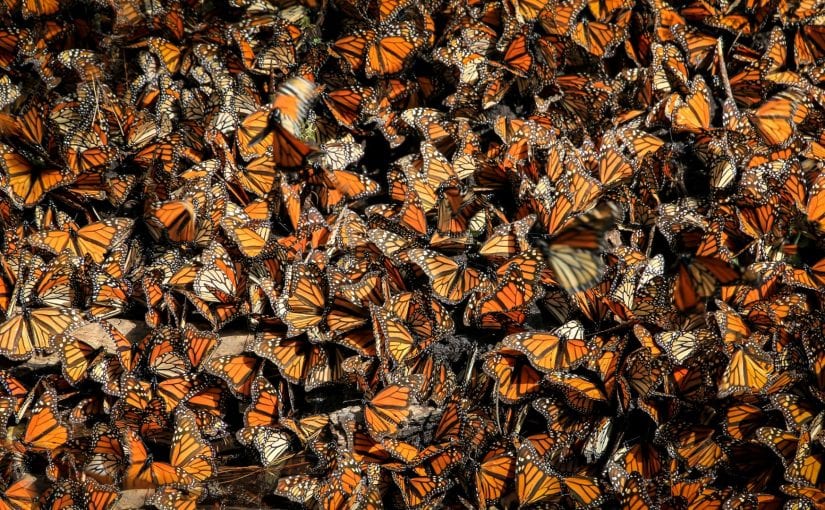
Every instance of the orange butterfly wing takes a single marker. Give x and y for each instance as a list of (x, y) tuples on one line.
[(45, 430), (387, 410)]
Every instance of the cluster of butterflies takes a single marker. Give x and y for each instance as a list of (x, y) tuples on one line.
[(503, 253)]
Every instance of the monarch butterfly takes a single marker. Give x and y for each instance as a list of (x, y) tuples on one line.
[(694, 113), (495, 471), (219, 280), (417, 491), (563, 349), (87, 150), (584, 490), (775, 120), (106, 455), (25, 183), (258, 138), (272, 444), (536, 481), (580, 393), (574, 269), (237, 370), (351, 48), (700, 47), (451, 281), (31, 329), (600, 38), (345, 104), (439, 379), (796, 411), (697, 281), (190, 455), (515, 377), (110, 295), (507, 239), (90, 494), (614, 167), (748, 372), (178, 219), (816, 204), (731, 325), (304, 299), (45, 429), (298, 360), (24, 492), (527, 11), (292, 101), (163, 358), (552, 207), (559, 20), (455, 211), (517, 56), (809, 45), (367, 494), (95, 239), (265, 406), (451, 425), (344, 479), (387, 410), (365, 292), (636, 493), (308, 428), (401, 342), (363, 447), (815, 496), (781, 442), (199, 344), (640, 458), (173, 498), (642, 373), (129, 354), (597, 441), (410, 215), (688, 490), (436, 169), (16, 392), (173, 390), (84, 62), (106, 370), (436, 130), (438, 461), (165, 51), (297, 488), (388, 52), (202, 399), (696, 446), (806, 467), (339, 153), (258, 176), (218, 285), (681, 345), (514, 291), (75, 356), (349, 325), (143, 472), (560, 417), (37, 8), (743, 421)]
